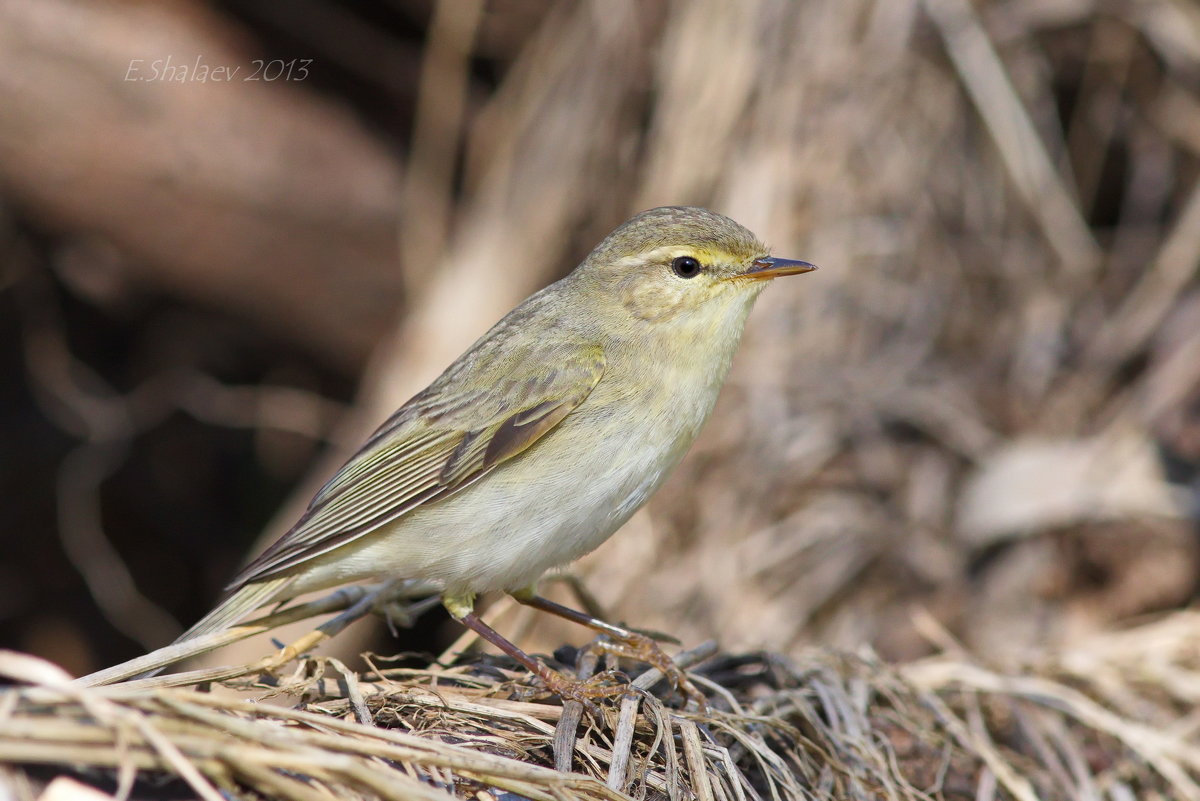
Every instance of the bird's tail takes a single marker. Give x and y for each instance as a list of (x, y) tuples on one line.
[(228, 613), (240, 603)]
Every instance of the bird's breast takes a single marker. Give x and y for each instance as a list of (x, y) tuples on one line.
[(556, 501)]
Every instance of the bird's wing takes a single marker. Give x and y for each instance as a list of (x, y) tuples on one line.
[(436, 444)]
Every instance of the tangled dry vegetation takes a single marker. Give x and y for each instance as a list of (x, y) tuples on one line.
[(969, 412), (1101, 723)]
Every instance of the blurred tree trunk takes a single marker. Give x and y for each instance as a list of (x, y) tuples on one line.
[(256, 196)]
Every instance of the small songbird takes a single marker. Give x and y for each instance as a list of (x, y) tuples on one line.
[(541, 440)]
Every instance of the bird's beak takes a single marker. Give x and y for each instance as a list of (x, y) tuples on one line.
[(768, 267)]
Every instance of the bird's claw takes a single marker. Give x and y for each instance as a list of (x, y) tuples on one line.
[(585, 691), (641, 648)]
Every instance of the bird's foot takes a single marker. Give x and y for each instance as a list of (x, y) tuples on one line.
[(639, 647), (585, 691)]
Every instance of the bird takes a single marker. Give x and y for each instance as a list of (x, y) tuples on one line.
[(541, 440)]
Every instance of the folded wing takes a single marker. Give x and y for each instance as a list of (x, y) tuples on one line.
[(441, 441)]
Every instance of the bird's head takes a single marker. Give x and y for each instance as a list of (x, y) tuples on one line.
[(678, 262)]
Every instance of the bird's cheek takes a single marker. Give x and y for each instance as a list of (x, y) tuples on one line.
[(651, 303)]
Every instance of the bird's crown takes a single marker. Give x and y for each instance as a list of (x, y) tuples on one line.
[(712, 238)]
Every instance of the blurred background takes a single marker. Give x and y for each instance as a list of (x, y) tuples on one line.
[(234, 235)]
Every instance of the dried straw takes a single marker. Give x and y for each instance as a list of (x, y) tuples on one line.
[(822, 726)]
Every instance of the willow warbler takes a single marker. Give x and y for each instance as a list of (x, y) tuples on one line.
[(536, 444)]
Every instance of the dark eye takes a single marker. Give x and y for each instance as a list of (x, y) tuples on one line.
[(686, 267)]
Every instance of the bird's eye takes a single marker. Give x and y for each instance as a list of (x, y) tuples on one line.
[(685, 267)]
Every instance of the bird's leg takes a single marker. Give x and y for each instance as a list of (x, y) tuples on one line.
[(565, 687), (623, 642)]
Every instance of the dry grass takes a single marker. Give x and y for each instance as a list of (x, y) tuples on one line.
[(966, 408), (1108, 721)]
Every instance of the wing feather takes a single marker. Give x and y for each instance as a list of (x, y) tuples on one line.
[(438, 443)]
